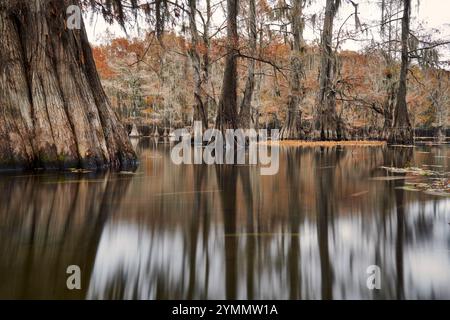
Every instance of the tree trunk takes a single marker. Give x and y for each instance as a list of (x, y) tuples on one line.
[(402, 131), (200, 106), (259, 80), (387, 14), (440, 135), (227, 111), (292, 125), (388, 33), (326, 119), (439, 105), (389, 104), (245, 117), (55, 112), (206, 58)]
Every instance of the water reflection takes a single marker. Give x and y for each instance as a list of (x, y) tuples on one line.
[(198, 231)]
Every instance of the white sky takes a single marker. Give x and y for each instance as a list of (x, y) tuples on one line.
[(434, 14)]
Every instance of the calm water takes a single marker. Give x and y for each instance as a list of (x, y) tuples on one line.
[(169, 231)]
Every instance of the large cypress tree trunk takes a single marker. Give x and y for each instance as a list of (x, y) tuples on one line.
[(292, 125), (436, 100), (245, 113), (388, 34), (200, 96), (55, 113), (227, 111), (402, 131), (388, 105), (326, 120)]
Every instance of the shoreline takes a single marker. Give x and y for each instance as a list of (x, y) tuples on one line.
[(304, 143)]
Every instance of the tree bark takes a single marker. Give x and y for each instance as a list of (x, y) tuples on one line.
[(227, 110), (388, 11), (200, 96), (292, 125), (245, 116), (388, 106), (206, 58), (55, 113), (402, 131), (439, 105), (326, 120)]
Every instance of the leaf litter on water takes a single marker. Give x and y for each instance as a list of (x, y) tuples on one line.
[(437, 185)]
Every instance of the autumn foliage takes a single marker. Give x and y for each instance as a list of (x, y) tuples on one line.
[(163, 83)]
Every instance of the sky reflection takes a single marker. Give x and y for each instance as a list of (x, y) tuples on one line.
[(197, 231)]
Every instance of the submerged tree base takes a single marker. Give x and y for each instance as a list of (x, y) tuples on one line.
[(292, 133), (404, 136)]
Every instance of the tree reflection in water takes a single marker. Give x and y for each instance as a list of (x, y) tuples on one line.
[(198, 231)]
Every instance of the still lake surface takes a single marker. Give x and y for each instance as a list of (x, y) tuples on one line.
[(198, 231)]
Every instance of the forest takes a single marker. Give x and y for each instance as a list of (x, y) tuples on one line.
[(311, 90)]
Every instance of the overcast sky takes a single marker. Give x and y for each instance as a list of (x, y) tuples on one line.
[(432, 13)]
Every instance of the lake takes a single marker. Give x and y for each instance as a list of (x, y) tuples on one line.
[(221, 231)]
